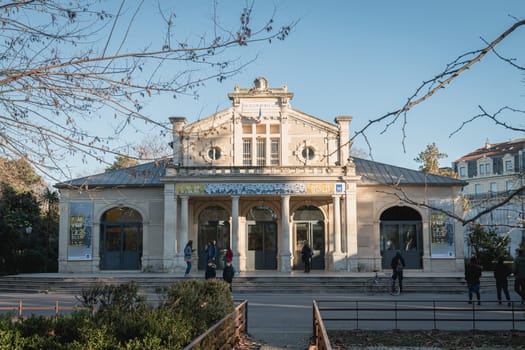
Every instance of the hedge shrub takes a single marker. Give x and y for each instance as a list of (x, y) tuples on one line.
[(124, 319)]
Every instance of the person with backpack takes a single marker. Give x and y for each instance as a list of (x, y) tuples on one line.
[(472, 276), (397, 264)]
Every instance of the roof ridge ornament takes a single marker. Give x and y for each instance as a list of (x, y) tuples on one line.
[(260, 84)]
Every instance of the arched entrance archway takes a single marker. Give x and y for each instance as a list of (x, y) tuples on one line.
[(309, 225), (262, 239), (214, 224), (401, 230), (121, 239)]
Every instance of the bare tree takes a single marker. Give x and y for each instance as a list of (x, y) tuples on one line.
[(432, 86), (65, 65)]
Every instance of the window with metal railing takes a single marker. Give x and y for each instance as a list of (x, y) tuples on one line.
[(247, 152), (274, 152), (261, 152)]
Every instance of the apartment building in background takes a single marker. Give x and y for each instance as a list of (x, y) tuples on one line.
[(494, 172)]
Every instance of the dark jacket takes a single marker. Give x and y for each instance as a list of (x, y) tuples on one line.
[(227, 273), (501, 272), (473, 273), (210, 272), (397, 260), (306, 252), (519, 267)]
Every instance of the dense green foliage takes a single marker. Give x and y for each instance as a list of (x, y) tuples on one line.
[(28, 221), (124, 319), (28, 232), (487, 245)]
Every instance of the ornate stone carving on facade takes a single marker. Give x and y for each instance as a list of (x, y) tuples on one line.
[(260, 84)]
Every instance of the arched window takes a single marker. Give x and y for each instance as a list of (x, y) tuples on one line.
[(401, 230), (121, 239)]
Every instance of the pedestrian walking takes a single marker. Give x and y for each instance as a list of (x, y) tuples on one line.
[(306, 256), (188, 252), (227, 274), (472, 276), (397, 264), (501, 274), (211, 270), (519, 275)]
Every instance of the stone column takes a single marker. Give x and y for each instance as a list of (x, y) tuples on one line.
[(236, 248), (183, 233), (351, 226), (170, 224), (337, 223), (178, 124), (338, 262), (286, 253)]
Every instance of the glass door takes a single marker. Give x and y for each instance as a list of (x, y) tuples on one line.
[(313, 232)]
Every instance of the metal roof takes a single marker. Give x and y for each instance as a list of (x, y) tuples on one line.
[(149, 175), (374, 172), (143, 175)]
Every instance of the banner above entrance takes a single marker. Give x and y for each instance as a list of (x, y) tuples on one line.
[(260, 188)]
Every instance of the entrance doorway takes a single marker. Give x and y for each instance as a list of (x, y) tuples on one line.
[(309, 225), (401, 230), (213, 225), (262, 239), (121, 240)]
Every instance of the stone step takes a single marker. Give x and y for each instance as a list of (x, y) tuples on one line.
[(264, 284)]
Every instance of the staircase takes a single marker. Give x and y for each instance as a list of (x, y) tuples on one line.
[(245, 283)]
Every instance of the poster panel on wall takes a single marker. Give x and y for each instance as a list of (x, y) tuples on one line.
[(80, 245), (442, 230)]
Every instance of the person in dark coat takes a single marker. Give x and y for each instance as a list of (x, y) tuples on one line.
[(397, 264), (306, 256), (210, 270), (519, 275), (501, 273), (472, 276), (227, 274)]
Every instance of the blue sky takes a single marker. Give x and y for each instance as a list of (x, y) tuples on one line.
[(364, 59)]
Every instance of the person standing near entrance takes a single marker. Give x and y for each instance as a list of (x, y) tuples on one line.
[(188, 251), (211, 270), (306, 256), (501, 273), (519, 275), (227, 274), (397, 264), (472, 276), (211, 250)]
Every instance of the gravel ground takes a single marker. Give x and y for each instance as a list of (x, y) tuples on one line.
[(427, 340), (405, 340)]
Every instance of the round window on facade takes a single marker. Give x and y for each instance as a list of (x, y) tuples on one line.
[(214, 153), (308, 153)]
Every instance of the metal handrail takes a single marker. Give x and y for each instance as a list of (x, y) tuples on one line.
[(420, 312), (56, 308), (322, 342), (224, 333)]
